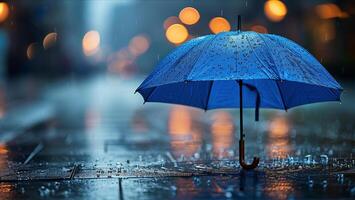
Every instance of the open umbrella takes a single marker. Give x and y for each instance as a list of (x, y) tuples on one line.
[(240, 69)]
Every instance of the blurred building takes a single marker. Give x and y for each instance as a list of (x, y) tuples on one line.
[(130, 36)]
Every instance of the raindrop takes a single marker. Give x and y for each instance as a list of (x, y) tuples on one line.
[(340, 178), (43, 191), (324, 159), (56, 185), (173, 187), (290, 159), (310, 182), (228, 195), (308, 159), (330, 152), (352, 191), (66, 193), (325, 183), (197, 181)]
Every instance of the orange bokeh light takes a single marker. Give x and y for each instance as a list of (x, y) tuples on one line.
[(91, 43), (222, 130), (189, 16), (278, 137), (329, 11), (138, 45), (177, 33), (275, 10), (49, 40), (259, 29), (279, 127), (30, 52), (4, 11), (185, 136), (170, 21), (3, 149), (280, 189), (219, 24), (122, 62), (180, 121)]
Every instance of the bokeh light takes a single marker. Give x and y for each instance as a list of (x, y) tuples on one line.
[(91, 43), (189, 16), (139, 45), (281, 189), (222, 130), (259, 29), (329, 11), (279, 127), (122, 62), (184, 131), (31, 51), (325, 31), (3, 149), (170, 21), (278, 137), (180, 121), (275, 10), (49, 40), (219, 24), (177, 33), (4, 11)]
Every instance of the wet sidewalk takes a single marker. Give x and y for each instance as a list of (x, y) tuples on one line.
[(93, 139)]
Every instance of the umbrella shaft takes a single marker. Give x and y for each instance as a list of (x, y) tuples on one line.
[(241, 109)]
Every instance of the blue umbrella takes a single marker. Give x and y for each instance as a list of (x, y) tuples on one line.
[(240, 70)]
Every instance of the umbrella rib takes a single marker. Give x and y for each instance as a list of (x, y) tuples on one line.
[(150, 94), (208, 95), (276, 71), (176, 62), (282, 97), (207, 44), (187, 53), (296, 55), (260, 61)]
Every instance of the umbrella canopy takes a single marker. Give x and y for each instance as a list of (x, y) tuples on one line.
[(203, 73), (240, 69)]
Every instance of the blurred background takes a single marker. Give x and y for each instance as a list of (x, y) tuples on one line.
[(68, 70), (56, 39)]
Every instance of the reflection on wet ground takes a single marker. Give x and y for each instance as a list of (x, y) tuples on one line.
[(93, 139)]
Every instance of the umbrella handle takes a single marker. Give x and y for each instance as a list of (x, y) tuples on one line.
[(242, 162)]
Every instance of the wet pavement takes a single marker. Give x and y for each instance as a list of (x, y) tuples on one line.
[(93, 139)]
